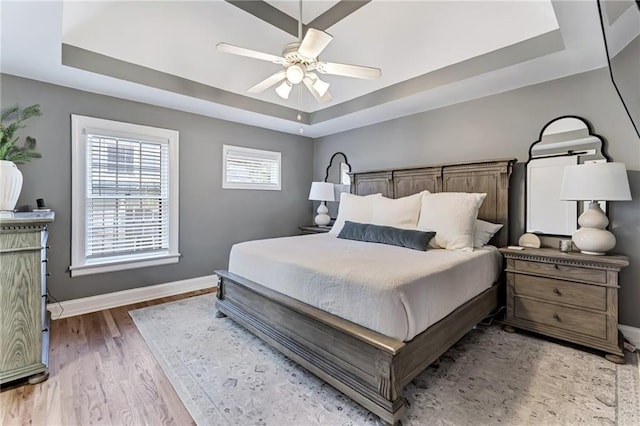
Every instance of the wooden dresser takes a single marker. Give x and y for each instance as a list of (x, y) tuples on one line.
[(24, 323), (569, 296)]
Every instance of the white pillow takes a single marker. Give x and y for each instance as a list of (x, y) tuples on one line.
[(399, 212), (355, 208), (452, 215), (484, 232)]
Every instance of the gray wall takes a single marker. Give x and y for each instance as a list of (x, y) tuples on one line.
[(505, 125), (211, 219)]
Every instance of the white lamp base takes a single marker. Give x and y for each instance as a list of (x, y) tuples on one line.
[(322, 219), (592, 237)]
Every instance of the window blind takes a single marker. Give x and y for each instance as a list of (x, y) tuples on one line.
[(251, 168), (127, 209)]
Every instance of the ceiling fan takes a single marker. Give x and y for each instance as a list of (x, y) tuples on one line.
[(300, 60)]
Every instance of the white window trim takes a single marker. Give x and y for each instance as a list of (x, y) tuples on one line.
[(250, 151), (79, 264)]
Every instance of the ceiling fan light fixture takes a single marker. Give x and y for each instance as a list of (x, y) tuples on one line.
[(295, 74), (321, 86), (284, 89)]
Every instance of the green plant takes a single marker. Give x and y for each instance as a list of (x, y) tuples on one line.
[(11, 120)]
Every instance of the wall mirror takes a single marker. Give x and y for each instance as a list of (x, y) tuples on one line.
[(620, 21), (338, 173), (563, 141)]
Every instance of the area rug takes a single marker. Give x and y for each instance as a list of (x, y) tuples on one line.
[(226, 375)]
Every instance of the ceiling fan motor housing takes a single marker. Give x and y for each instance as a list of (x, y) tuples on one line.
[(297, 65)]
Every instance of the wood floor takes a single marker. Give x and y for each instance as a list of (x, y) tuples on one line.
[(102, 372)]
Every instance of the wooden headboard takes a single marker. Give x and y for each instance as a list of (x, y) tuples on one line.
[(490, 177)]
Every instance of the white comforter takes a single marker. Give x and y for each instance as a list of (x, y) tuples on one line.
[(395, 291)]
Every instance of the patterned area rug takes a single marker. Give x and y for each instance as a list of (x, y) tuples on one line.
[(226, 375)]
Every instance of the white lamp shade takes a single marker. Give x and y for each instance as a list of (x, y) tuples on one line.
[(321, 191), (284, 89), (321, 86), (595, 182)]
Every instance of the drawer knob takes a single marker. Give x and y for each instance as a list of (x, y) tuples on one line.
[(557, 317), (556, 291), (555, 266)]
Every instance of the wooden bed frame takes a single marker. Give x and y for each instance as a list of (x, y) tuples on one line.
[(365, 365)]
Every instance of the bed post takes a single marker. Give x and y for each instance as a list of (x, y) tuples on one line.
[(388, 386), (220, 295)]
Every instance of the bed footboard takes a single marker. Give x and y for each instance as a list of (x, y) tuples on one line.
[(353, 359), (367, 366)]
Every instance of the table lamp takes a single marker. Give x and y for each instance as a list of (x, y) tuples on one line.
[(595, 182), (322, 191)]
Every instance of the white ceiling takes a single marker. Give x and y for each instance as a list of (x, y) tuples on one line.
[(310, 9), (432, 54)]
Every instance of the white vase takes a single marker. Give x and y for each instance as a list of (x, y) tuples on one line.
[(10, 185)]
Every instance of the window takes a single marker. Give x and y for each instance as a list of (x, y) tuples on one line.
[(124, 196), (246, 168), (119, 157)]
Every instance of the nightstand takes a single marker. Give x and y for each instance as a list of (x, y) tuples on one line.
[(569, 296), (314, 229)]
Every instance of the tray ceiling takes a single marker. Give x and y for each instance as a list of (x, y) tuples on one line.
[(432, 53)]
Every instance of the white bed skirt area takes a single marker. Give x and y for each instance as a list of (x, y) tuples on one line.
[(396, 291)]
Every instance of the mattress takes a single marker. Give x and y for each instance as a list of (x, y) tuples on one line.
[(395, 291)]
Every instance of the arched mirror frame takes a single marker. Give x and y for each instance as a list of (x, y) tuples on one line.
[(340, 171), (599, 154)]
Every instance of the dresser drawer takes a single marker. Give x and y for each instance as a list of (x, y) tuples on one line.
[(584, 295), (20, 241), (563, 317), (597, 276)]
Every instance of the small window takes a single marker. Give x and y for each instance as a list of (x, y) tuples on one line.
[(124, 196), (246, 168)]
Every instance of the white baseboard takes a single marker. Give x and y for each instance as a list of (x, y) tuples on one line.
[(85, 305), (632, 334)]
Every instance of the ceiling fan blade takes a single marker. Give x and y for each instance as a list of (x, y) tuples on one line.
[(313, 43), (356, 71), (268, 82), (235, 50), (326, 98)]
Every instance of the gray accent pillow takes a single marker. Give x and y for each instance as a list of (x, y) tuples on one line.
[(417, 240)]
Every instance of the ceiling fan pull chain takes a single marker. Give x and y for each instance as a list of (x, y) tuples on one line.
[(299, 117)]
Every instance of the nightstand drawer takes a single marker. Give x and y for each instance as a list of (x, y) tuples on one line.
[(598, 276), (564, 317), (314, 229), (585, 295)]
